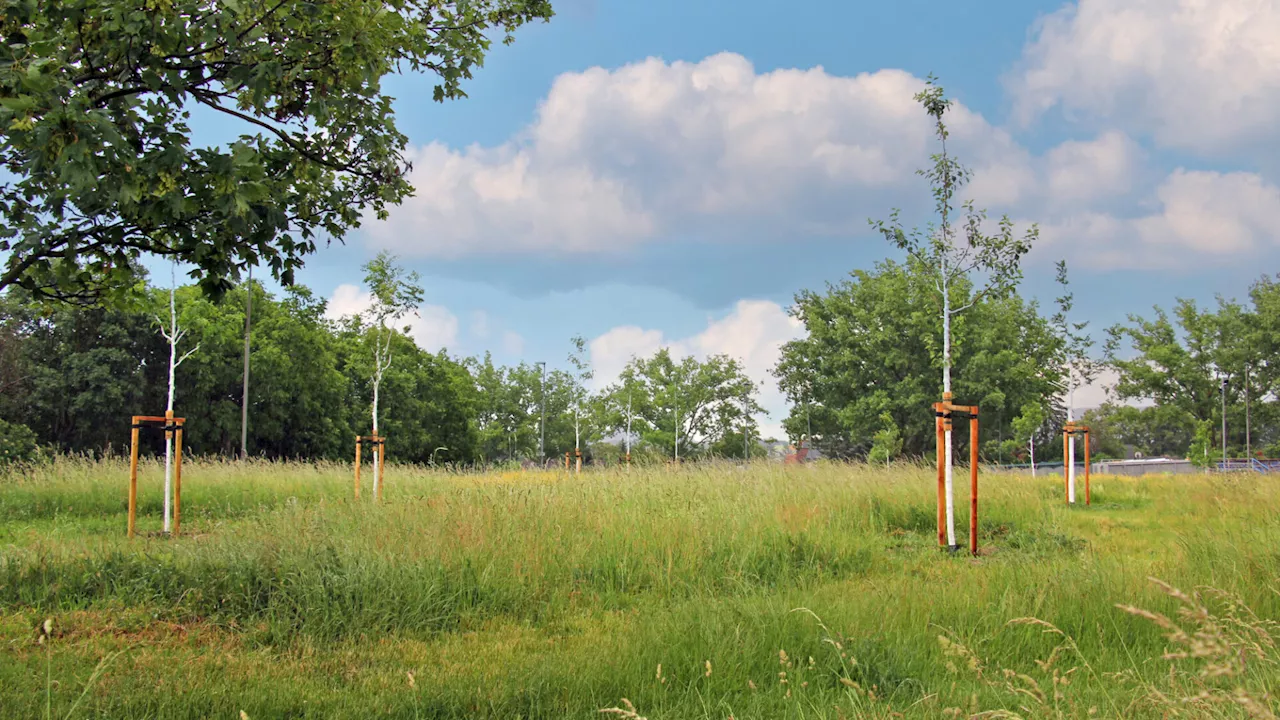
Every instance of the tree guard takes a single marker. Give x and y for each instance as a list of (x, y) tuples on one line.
[(172, 427), (1069, 431), (380, 442), (945, 412)]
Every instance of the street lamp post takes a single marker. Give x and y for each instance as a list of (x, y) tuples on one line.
[(542, 421), (1224, 423)]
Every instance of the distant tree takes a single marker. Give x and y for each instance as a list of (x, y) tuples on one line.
[(100, 163), (886, 444), (1081, 368), (872, 346), (582, 374), (703, 405), (951, 254), (1155, 431), (1029, 422), (396, 295), (1172, 365)]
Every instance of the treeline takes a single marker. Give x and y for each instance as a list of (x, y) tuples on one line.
[(861, 382), (71, 377), (1191, 366), (868, 370)]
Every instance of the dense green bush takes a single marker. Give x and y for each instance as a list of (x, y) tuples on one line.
[(17, 443)]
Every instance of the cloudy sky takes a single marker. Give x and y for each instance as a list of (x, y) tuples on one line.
[(671, 173)]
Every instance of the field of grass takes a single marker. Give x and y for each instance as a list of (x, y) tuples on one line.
[(708, 592)]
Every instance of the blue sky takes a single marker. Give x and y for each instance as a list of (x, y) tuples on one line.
[(672, 172)]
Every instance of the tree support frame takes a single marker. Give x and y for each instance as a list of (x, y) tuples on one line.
[(945, 413), (378, 441), (172, 427), (1075, 429)]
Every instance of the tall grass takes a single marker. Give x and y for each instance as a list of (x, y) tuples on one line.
[(766, 591)]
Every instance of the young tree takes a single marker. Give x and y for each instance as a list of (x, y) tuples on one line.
[(952, 254), (887, 442), (1025, 426), (396, 295), (582, 374), (1080, 367), (173, 334), (101, 166)]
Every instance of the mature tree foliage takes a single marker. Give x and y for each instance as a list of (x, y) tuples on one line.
[(873, 346), (1154, 431), (1178, 360), (81, 372), (509, 410), (95, 100), (428, 400), (1174, 361), (705, 403), (297, 402)]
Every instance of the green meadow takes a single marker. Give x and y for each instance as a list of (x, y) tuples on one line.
[(708, 591)]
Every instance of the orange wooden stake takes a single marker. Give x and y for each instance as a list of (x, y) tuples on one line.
[(973, 483), (1088, 500), (177, 478), (357, 467), (133, 477), (942, 478), (381, 450)]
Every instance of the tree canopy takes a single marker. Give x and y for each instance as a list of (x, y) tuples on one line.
[(96, 99), (874, 348)]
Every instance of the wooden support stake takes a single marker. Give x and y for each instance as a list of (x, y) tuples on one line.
[(177, 479), (942, 478), (566, 461), (1088, 500), (973, 484), (133, 477), (577, 453), (382, 466), (357, 467)]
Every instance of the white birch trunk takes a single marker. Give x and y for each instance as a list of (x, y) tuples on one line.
[(946, 389), (1070, 470), (1033, 455), (168, 435), (377, 449)]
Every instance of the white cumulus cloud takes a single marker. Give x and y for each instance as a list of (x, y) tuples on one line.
[(432, 327), (753, 334), (1200, 75), (1201, 217), (710, 149)]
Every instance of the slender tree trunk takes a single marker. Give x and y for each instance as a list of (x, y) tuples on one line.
[(946, 389), (168, 435), (1070, 470), (1033, 456), (244, 398), (377, 449)]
